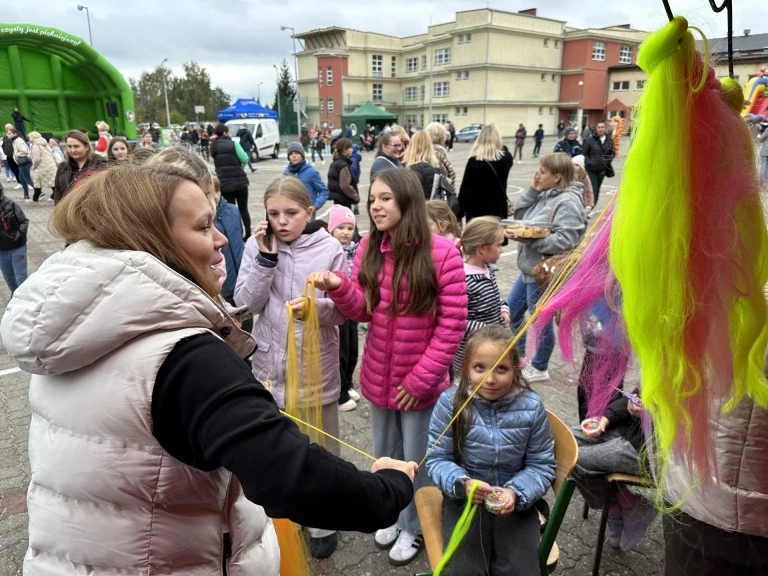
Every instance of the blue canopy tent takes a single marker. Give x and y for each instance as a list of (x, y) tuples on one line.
[(245, 108)]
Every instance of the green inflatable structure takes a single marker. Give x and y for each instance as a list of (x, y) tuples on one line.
[(60, 83)]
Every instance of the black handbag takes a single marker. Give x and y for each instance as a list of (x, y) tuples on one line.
[(442, 190)]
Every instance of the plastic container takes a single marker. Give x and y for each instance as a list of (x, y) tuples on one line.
[(590, 425), (496, 500), (525, 229)]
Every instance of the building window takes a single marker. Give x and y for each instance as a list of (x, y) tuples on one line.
[(551, 110), (412, 64), (393, 68), (554, 77), (543, 77), (421, 92), (541, 110), (378, 92), (620, 86), (557, 43), (441, 89), (442, 56), (461, 111), (462, 75), (411, 93), (424, 62), (329, 76), (465, 38), (546, 42), (598, 51), (639, 84), (322, 106), (442, 118), (330, 104), (376, 64), (625, 55), (319, 76)]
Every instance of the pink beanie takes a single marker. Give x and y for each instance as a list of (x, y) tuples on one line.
[(340, 215)]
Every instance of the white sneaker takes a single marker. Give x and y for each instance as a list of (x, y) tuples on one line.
[(348, 406), (405, 549), (385, 537), (17, 187), (532, 374), (354, 395)]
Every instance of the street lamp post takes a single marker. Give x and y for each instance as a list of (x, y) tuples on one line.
[(258, 98), (296, 74), (580, 110), (80, 8), (165, 91), (277, 92)]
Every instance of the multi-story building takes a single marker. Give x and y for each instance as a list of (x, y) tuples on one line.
[(485, 66)]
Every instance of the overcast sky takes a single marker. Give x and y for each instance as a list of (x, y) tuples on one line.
[(238, 41)]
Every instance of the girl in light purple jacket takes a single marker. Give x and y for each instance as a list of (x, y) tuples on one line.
[(284, 250)]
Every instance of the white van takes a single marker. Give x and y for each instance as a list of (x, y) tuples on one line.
[(265, 134)]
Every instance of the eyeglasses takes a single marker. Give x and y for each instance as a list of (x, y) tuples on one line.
[(396, 145)]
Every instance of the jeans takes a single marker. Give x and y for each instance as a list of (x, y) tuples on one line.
[(13, 264), (319, 152), (240, 198), (8, 173), (25, 177), (536, 147), (524, 297), (596, 179)]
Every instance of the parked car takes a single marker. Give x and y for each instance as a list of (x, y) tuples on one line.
[(265, 133), (469, 133)]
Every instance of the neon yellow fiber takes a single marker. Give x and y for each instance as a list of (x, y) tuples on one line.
[(459, 531)]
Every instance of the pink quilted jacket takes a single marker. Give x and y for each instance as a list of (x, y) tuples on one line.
[(414, 351)]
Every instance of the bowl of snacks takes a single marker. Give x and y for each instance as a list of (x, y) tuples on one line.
[(590, 425), (496, 500), (525, 229)]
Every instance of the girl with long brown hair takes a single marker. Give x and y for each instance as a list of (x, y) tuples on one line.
[(409, 286), (501, 442)]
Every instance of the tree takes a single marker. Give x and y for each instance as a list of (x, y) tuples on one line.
[(185, 92), (286, 91)]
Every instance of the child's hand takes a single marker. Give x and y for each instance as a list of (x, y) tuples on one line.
[(327, 281), (601, 428), (260, 235), (386, 463), (509, 507), (404, 400), (481, 492), (297, 304), (634, 409), (505, 319)]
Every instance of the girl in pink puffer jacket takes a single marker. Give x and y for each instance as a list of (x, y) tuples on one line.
[(413, 333)]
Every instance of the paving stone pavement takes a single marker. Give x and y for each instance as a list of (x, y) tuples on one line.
[(357, 554)]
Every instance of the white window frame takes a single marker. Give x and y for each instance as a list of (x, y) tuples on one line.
[(393, 67), (441, 89), (377, 65), (625, 54), (598, 51), (329, 76), (639, 84), (422, 93), (377, 88), (467, 37), (557, 43), (330, 105), (546, 42), (320, 76), (322, 106), (412, 64), (423, 61), (411, 93), (442, 118), (442, 56), (620, 86)]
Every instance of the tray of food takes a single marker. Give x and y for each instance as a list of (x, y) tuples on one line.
[(525, 229), (496, 500)]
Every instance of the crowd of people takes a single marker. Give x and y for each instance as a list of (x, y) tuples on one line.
[(163, 268)]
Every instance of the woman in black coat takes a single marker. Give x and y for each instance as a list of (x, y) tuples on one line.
[(483, 189), (341, 187), (229, 169)]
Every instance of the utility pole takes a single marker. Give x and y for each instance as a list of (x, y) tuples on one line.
[(165, 90), (296, 74)]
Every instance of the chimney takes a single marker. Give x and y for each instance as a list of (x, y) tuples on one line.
[(747, 32), (529, 12)]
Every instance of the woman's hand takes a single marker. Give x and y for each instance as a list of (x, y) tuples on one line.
[(634, 409), (297, 304), (404, 400), (260, 235), (482, 491), (509, 507), (411, 469), (536, 182), (326, 281), (511, 235)]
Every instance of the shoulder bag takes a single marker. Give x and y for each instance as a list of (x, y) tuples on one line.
[(548, 269)]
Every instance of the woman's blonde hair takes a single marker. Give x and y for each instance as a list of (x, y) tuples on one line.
[(128, 207), (578, 172), (102, 126), (482, 231), (290, 187), (34, 135), (488, 146), (398, 130), (186, 160), (83, 139), (216, 183), (559, 164), (420, 149), (441, 214), (437, 133)]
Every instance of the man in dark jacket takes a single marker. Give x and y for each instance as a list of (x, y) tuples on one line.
[(598, 158), (18, 122), (570, 145), (8, 149), (13, 242), (247, 143)]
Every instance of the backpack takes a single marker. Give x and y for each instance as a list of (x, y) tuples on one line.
[(442, 190), (9, 223)]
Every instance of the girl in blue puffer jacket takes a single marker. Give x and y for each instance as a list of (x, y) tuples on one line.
[(501, 441)]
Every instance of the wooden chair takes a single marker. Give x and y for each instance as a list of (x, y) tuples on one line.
[(429, 502), (615, 482)]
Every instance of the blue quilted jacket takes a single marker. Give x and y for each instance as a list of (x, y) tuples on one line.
[(509, 444)]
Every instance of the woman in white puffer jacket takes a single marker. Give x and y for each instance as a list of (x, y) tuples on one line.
[(43, 166)]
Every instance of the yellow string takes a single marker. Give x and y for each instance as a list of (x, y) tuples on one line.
[(339, 440)]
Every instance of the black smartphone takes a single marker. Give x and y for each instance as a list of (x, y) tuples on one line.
[(241, 314), (268, 235)]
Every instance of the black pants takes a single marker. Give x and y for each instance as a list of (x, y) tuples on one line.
[(536, 147), (596, 178), (14, 168), (38, 191), (348, 353), (694, 548), (495, 545), (240, 197)]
